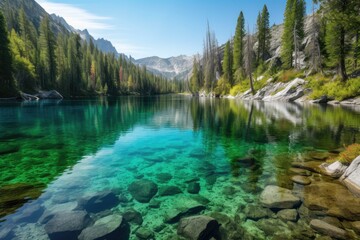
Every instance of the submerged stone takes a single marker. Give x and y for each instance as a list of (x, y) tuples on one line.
[(328, 229), (99, 202), (300, 171), (133, 216), (109, 227), (182, 206), (143, 190), (67, 225), (279, 198), (163, 177), (169, 191), (313, 166), (193, 188), (301, 180), (333, 199), (144, 233), (288, 215), (334, 170), (256, 212), (198, 227)]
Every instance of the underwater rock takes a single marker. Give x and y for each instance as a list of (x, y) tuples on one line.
[(272, 226), (133, 216), (8, 148), (163, 177), (333, 199), (198, 228), (182, 206), (279, 198), (256, 212), (351, 177), (109, 227), (229, 229), (67, 225), (300, 171), (288, 215), (193, 179), (154, 203), (143, 190), (193, 188), (144, 233), (313, 166), (200, 199), (6, 232), (334, 170), (211, 180), (301, 180), (101, 201), (169, 191), (328, 229)]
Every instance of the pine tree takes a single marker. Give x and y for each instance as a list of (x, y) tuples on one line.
[(263, 35), (227, 65), (195, 75), (293, 30), (238, 62), (47, 54), (7, 85), (249, 61)]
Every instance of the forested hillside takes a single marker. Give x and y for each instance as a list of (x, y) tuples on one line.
[(38, 53), (322, 47)]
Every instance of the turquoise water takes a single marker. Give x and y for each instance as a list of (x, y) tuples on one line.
[(53, 154)]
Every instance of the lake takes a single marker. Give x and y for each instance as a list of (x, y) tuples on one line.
[(150, 161)]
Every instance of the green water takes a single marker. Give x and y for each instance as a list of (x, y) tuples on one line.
[(54, 153)]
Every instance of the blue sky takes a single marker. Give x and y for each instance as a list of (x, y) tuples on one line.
[(164, 28)]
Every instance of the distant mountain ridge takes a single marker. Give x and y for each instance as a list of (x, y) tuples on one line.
[(173, 67)]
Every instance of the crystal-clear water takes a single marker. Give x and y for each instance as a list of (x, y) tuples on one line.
[(54, 155)]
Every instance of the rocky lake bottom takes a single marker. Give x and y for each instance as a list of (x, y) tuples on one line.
[(174, 168)]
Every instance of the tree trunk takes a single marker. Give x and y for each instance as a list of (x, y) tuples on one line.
[(342, 68)]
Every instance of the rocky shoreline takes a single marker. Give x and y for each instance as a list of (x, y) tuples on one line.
[(293, 91)]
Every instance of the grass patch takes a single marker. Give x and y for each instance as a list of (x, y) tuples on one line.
[(348, 155), (334, 88), (288, 75)]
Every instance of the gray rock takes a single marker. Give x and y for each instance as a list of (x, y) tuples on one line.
[(328, 229), (133, 216), (193, 188), (288, 215), (169, 191), (334, 170), (143, 190), (277, 197), (323, 99), (99, 202), (198, 227), (301, 180), (67, 225), (351, 177), (109, 227), (144, 233)]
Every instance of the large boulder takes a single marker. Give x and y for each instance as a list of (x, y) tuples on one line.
[(351, 177), (335, 169), (67, 225), (109, 227), (133, 216), (333, 199), (328, 229), (279, 198), (99, 202), (143, 190), (198, 227)]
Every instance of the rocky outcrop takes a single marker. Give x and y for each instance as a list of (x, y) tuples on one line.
[(198, 228), (286, 91), (328, 229), (143, 190), (351, 177), (67, 225), (278, 198), (109, 227), (334, 170)]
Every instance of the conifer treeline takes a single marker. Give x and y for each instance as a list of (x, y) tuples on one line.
[(34, 59), (332, 44)]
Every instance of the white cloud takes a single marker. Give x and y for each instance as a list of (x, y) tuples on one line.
[(130, 49), (75, 16)]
